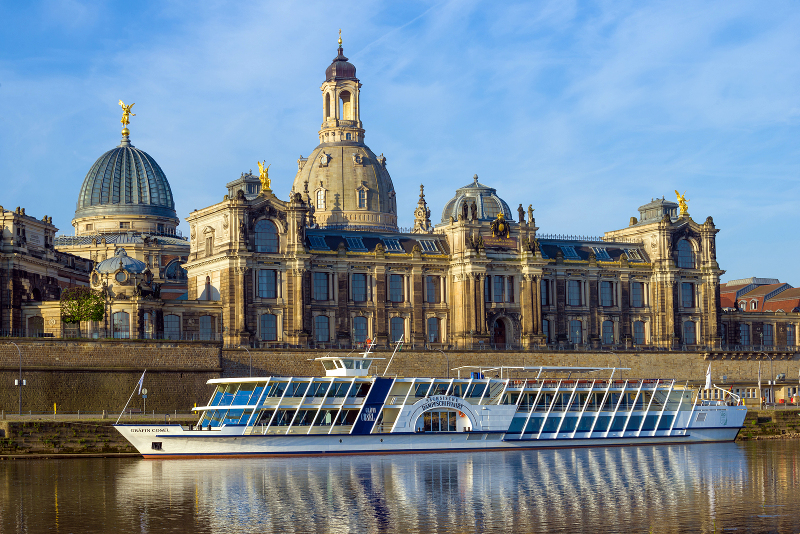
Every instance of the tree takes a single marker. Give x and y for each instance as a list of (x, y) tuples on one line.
[(82, 304)]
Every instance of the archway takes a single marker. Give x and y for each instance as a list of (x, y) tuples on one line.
[(499, 332)]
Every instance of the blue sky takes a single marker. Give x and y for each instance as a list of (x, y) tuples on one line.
[(586, 110)]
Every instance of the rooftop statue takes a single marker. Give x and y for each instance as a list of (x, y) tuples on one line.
[(264, 175), (682, 202), (126, 113)]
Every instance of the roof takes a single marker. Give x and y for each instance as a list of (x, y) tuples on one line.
[(119, 239), (487, 203), (125, 180), (121, 260), (340, 68), (603, 250), (761, 291), (435, 243)]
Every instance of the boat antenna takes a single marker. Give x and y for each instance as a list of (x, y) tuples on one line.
[(396, 347)]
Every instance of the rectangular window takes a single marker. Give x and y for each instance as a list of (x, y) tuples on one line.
[(637, 295), (432, 289), (574, 297), (744, 334), (392, 245), (359, 287), (607, 294), (546, 330), (433, 330), (88, 227), (510, 292), (608, 332), (499, 288), (397, 329), (355, 244), (318, 242), (428, 246), (267, 286), (769, 335), (396, 288), (487, 289), (601, 254), (124, 225), (320, 286), (638, 332), (687, 295), (209, 245), (172, 327), (545, 292), (360, 329), (269, 327), (790, 335)]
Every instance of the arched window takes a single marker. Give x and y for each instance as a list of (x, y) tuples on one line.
[(685, 255), (321, 200), (433, 330), (689, 333), (743, 305), (122, 325), (322, 332), (397, 326), (362, 198), (753, 304), (172, 327), (360, 329), (576, 331), (638, 333), (346, 109), (266, 236), (206, 327), (269, 327), (608, 332)]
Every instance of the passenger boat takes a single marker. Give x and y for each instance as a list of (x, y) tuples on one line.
[(350, 411)]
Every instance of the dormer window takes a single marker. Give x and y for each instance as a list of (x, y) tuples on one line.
[(392, 245), (601, 254), (362, 199), (569, 252), (355, 244), (753, 304)]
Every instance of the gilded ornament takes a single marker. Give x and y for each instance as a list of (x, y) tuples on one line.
[(126, 113), (682, 202), (264, 175)]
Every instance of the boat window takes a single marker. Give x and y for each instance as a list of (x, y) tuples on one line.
[(420, 390), (339, 389), (256, 393), (360, 389), (459, 388), (243, 395), (217, 396), (233, 417), (317, 389), (265, 416), (437, 421), (666, 422), (297, 389), (534, 424), (650, 422), (569, 424), (325, 418), (227, 397), (304, 418), (276, 389), (347, 417), (516, 425), (476, 390), (283, 417), (440, 388), (619, 423), (634, 423), (348, 364), (551, 424), (328, 365), (585, 424)]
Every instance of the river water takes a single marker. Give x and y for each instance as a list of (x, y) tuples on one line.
[(750, 487)]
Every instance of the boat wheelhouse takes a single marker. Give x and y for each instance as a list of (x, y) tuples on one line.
[(351, 411)]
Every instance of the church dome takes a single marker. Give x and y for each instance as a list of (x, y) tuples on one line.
[(487, 202), (121, 262), (340, 68), (125, 181)]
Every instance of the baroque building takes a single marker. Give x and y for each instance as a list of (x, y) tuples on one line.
[(329, 267)]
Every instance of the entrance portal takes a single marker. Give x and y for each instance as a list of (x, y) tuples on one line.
[(499, 332)]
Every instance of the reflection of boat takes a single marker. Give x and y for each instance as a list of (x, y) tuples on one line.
[(348, 411)]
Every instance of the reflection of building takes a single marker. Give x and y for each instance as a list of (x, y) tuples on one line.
[(32, 271), (329, 266)]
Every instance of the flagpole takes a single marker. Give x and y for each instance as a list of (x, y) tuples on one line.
[(139, 383)]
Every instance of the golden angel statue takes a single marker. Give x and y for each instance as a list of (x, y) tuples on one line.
[(126, 113), (264, 175), (682, 200)]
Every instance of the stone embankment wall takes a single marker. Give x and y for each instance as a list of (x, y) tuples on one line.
[(770, 424), (92, 376), (97, 375)]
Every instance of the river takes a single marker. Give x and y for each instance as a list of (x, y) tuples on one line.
[(748, 487)]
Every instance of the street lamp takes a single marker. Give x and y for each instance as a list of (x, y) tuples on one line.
[(20, 377), (448, 361), (251, 358), (772, 379)]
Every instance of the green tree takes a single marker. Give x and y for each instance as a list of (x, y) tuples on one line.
[(81, 304)]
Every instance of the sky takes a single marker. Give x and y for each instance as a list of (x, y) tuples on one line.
[(587, 110)]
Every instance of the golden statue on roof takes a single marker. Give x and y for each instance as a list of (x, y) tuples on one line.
[(682, 202), (126, 113), (263, 175)]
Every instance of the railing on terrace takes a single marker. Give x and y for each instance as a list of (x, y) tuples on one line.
[(108, 334)]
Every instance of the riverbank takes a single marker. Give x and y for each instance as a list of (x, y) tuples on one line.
[(770, 424)]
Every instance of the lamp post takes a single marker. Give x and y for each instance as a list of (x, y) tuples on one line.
[(448, 361), (772, 379), (251, 358), (20, 377)]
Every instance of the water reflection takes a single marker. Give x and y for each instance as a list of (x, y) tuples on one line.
[(670, 488)]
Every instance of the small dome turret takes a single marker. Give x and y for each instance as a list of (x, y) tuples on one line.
[(486, 201), (121, 262)]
